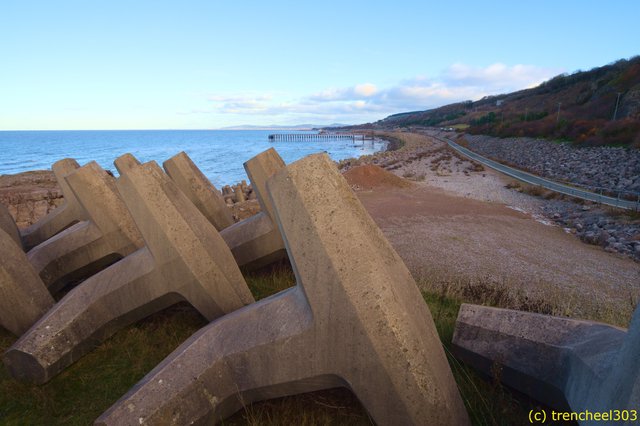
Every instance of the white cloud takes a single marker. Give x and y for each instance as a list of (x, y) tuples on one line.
[(356, 92), (366, 89), (497, 76), (366, 102)]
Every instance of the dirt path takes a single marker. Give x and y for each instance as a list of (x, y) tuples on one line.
[(460, 224), (442, 237)]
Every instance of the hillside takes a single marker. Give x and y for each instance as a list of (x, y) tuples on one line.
[(578, 107)]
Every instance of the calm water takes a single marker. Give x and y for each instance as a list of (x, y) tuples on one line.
[(218, 153)]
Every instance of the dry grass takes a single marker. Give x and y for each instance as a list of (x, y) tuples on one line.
[(546, 300), (514, 184)]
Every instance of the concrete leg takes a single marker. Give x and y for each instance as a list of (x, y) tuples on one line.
[(8, 225), (256, 241), (125, 162), (74, 254), (199, 190), (352, 320), (565, 363), (23, 296), (185, 259), (89, 246), (62, 217)]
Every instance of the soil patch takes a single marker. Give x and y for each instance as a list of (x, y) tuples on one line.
[(444, 237), (370, 176)]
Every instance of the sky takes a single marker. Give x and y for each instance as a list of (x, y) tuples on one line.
[(196, 64)]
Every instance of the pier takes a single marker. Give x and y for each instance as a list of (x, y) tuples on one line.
[(318, 136)]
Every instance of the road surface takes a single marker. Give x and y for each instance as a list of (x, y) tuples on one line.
[(545, 183)]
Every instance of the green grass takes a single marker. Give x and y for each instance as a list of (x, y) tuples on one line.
[(96, 381), (85, 390)]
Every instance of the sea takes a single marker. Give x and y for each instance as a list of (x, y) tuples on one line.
[(218, 153)]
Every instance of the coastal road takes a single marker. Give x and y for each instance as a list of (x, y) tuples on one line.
[(545, 183)]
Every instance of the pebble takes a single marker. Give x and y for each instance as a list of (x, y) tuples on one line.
[(619, 234), (617, 169)]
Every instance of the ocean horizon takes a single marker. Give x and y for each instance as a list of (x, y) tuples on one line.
[(218, 153)]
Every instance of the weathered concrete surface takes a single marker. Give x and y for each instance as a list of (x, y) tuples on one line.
[(567, 364), (352, 320), (125, 162), (62, 217), (23, 296), (199, 190), (89, 246), (256, 241), (185, 259), (259, 169), (8, 225)]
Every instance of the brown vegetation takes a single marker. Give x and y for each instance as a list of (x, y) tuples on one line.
[(596, 107)]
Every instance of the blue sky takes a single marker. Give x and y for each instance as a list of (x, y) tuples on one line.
[(206, 64)]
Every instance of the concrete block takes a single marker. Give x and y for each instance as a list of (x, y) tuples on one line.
[(23, 296), (8, 225), (67, 214), (184, 259), (125, 162), (354, 319), (256, 241), (88, 246), (199, 190), (259, 169), (238, 194), (570, 365)]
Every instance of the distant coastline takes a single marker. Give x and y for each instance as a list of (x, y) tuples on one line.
[(274, 127)]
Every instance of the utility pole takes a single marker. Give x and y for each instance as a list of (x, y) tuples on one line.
[(558, 116), (615, 112)]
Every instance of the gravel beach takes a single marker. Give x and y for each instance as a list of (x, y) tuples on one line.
[(461, 223)]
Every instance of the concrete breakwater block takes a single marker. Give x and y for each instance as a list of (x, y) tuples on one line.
[(88, 246), (184, 259), (23, 296), (565, 363), (125, 162), (62, 217), (199, 190), (8, 225), (256, 241), (352, 320)]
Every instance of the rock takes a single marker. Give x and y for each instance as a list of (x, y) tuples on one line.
[(603, 237), (30, 195), (604, 167), (590, 237)]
